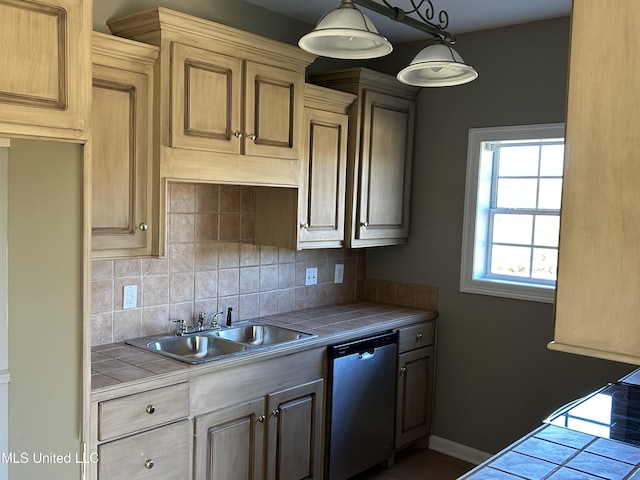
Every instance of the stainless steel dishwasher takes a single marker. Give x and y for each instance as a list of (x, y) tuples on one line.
[(361, 406)]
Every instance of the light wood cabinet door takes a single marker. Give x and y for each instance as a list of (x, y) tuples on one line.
[(385, 167), (414, 395), (206, 100), (295, 432), (597, 301), (208, 105), (380, 154), (324, 169), (229, 443), (273, 111), (45, 85), (122, 152)]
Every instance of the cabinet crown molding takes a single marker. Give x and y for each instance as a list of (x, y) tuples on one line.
[(110, 46), (352, 79), (151, 26), (324, 98)]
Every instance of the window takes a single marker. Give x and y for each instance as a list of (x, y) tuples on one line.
[(512, 211)]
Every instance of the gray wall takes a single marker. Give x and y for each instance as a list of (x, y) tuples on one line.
[(236, 13), (45, 307), (495, 377)]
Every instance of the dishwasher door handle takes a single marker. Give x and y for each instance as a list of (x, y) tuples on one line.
[(367, 354)]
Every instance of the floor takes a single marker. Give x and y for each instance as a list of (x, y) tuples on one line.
[(419, 464)]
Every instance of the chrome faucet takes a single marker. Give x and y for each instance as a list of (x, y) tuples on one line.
[(181, 328), (214, 320), (200, 322)]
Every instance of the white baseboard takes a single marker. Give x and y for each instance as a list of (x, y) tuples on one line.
[(457, 450)]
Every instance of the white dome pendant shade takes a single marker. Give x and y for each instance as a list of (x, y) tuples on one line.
[(346, 33), (437, 65)]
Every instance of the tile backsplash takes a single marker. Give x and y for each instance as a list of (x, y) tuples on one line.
[(211, 264)]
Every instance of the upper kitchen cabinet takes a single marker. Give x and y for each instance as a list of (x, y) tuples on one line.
[(45, 85), (124, 218), (597, 300), (230, 103), (314, 215), (379, 155)]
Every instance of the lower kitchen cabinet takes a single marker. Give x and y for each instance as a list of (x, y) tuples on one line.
[(229, 443), (414, 391), (295, 432), (159, 454), (284, 427), (144, 435)]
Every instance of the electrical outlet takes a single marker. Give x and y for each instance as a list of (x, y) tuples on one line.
[(338, 275), (130, 297), (312, 276)]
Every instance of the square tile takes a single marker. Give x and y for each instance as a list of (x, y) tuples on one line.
[(523, 465), (545, 450), (564, 436), (615, 450), (489, 473), (600, 466)]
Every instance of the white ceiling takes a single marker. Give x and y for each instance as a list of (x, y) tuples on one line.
[(464, 15)]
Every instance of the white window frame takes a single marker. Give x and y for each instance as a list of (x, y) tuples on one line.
[(476, 207)]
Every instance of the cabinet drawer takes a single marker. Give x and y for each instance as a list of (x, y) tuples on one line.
[(140, 411), (162, 453), (416, 336)]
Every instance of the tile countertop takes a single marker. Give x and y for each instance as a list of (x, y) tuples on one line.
[(557, 453), (113, 365)]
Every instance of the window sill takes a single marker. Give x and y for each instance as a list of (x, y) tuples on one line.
[(500, 288)]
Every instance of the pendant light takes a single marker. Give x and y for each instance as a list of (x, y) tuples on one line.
[(437, 65), (346, 33)]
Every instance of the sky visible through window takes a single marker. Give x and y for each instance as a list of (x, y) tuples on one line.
[(525, 209)]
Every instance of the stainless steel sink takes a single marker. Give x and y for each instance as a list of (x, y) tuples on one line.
[(260, 334), (191, 348), (209, 345)]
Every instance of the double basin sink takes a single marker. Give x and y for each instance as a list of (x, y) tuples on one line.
[(207, 345)]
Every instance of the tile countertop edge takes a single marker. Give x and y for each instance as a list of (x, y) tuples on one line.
[(355, 320)]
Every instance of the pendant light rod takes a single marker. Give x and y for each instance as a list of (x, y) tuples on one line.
[(399, 15)]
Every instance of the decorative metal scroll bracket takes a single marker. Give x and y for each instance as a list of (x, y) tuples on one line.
[(425, 24)]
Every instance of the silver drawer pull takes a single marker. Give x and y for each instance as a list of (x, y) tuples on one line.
[(150, 409), (419, 337), (148, 464)]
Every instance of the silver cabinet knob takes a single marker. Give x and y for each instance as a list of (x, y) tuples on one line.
[(151, 409), (304, 225), (403, 370), (143, 227), (237, 134), (275, 412), (148, 464), (262, 418), (418, 337), (364, 224), (251, 136)]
